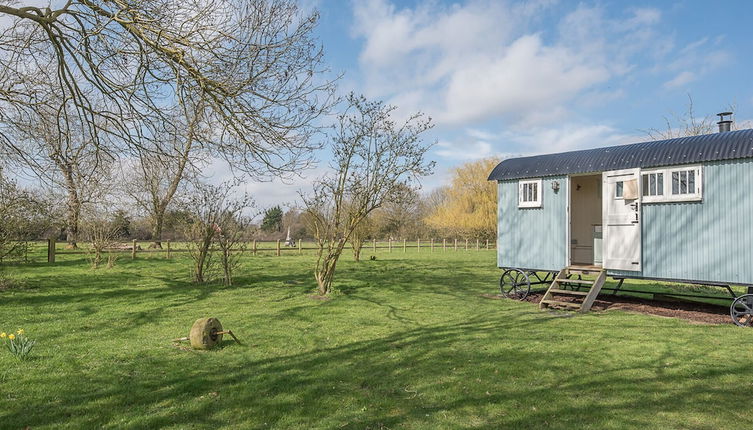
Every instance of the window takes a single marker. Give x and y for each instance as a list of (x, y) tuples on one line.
[(673, 184), (529, 193), (619, 188), (653, 186), (683, 182)]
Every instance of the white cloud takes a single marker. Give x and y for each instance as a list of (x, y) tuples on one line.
[(481, 134), (279, 191), (568, 137), (683, 78), (469, 62), (695, 61), (528, 77), (464, 151)]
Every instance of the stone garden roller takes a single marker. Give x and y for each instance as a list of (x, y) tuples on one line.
[(206, 333)]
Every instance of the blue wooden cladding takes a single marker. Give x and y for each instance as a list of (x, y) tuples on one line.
[(710, 240), (533, 238)]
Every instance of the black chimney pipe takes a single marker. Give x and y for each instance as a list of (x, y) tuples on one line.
[(724, 124)]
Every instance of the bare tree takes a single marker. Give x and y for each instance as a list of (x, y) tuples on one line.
[(162, 170), (363, 231), (232, 237), (685, 124), (215, 208), (69, 161), (102, 235), (375, 160), (254, 67)]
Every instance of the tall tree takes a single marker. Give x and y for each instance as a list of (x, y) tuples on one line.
[(164, 167), (469, 205), (401, 218), (272, 221), (69, 161), (374, 159), (254, 67)]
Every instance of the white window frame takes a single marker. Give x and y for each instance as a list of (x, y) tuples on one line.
[(539, 191), (659, 197), (620, 187), (668, 197)]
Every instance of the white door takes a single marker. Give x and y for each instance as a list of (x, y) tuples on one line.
[(621, 219)]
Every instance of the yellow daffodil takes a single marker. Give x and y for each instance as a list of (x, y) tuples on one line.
[(3, 335), (11, 336), (20, 331)]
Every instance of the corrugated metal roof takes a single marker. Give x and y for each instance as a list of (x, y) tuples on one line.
[(683, 150)]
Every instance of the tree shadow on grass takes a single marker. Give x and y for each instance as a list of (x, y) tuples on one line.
[(404, 379)]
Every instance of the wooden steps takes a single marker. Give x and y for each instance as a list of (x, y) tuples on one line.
[(570, 292), (585, 299)]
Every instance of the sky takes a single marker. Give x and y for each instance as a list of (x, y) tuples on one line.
[(508, 78)]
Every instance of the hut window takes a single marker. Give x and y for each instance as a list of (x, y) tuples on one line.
[(653, 186), (529, 193), (686, 183), (619, 187), (674, 184)]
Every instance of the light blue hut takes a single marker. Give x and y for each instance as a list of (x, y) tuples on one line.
[(675, 210)]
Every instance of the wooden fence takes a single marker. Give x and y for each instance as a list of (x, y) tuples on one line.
[(277, 248)]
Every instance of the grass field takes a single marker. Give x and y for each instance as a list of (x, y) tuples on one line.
[(407, 341)]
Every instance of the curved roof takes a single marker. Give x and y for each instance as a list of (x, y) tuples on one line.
[(684, 150)]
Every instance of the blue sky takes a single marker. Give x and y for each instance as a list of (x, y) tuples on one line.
[(509, 78)]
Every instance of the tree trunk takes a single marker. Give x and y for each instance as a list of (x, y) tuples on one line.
[(203, 254), (325, 274), (72, 222), (158, 221), (198, 275), (227, 267), (325, 271), (357, 250)]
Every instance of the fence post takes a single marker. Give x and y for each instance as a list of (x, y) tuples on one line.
[(50, 250), (254, 247), (466, 244), (456, 244), (168, 249), (300, 246), (418, 245), (389, 244), (444, 244), (487, 244), (432, 245), (477, 248), (133, 250), (278, 247), (404, 245), (374, 245)]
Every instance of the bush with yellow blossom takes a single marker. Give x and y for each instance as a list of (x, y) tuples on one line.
[(18, 343)]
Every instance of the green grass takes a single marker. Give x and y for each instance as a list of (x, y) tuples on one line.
[(406, 342)]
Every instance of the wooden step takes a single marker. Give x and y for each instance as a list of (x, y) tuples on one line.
[(581, 271), (559, 303), (576, 281), (569, 292)]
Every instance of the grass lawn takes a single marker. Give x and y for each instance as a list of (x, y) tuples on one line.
[(406, 342)]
